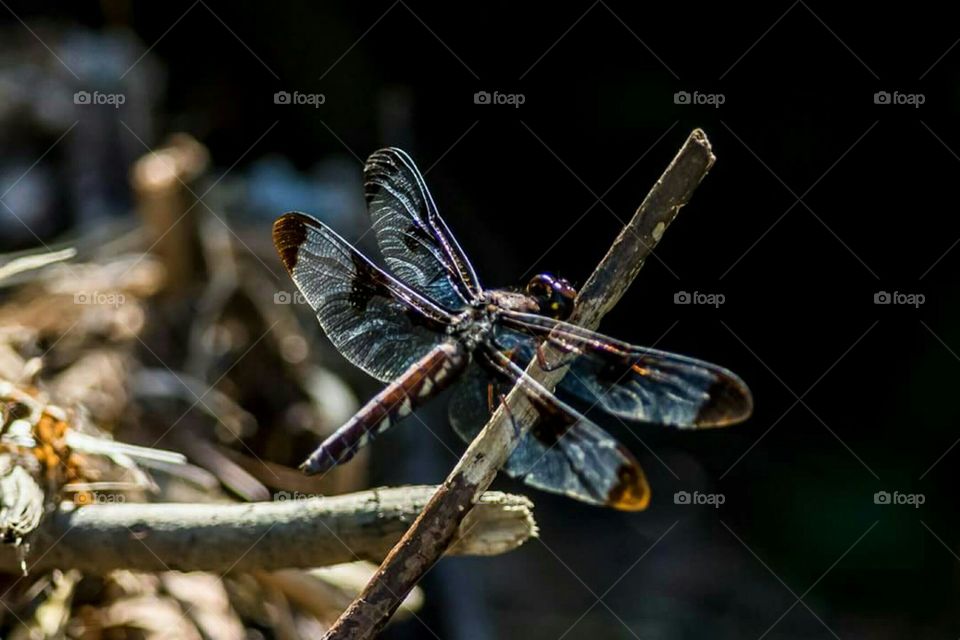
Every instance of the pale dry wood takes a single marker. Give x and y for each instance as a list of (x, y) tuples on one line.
[(34, 261), (292, 533), (431, 534), (164, 182)]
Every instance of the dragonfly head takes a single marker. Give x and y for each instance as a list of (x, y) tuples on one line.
[(555, 296)]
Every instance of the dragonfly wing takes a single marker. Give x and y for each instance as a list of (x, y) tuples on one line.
[(637, 383), (472, 400), (563, 453), (414, 239), (374, 321), (660, 388)]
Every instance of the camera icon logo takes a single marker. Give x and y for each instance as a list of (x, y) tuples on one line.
[(681, 97), (282, 297), (881, 497), (682, 297), (681, 497), (882, 297), (881, 97), (481, 97), (281, 97), (81, 97)]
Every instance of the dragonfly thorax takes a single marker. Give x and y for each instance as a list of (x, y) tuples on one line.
[(474, 325)]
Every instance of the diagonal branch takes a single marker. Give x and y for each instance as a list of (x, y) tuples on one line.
[(431, 533)]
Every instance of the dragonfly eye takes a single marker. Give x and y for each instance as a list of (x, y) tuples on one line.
[(540, 286), (555, 296)]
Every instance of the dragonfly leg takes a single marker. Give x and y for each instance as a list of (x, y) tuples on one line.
[(544, 363), (492, 406), (513, 422)]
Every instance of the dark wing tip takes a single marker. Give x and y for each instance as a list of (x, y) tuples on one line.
[(289, 234), (730, 402), (632, 492)]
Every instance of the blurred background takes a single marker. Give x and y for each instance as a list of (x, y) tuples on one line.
[(540, 128)]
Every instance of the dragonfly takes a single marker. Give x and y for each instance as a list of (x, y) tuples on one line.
[(429, 325)]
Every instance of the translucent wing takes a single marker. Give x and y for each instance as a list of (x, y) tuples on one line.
[(417, 245), (376, 322), (563, 453), (635, 383)]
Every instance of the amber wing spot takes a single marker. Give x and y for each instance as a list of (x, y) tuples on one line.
[(631, 493), (289, 234), (640, 371), (730, 402)]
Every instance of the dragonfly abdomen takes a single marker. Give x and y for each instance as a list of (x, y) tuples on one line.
[(424, 379)]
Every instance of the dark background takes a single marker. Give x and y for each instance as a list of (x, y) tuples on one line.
[(519, 187)]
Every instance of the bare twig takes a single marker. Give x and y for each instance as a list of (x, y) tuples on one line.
[(428, 537), (34, 261), (311, 532)]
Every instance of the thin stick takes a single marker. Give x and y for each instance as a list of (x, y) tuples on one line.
[(35, 261), (295, 533), (428, 537)]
